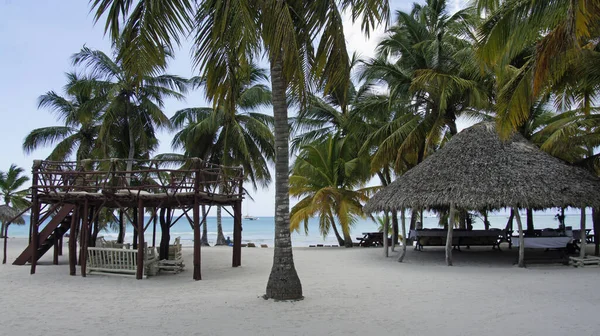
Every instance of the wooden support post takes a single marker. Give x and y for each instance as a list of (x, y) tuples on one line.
[(73, 242), (521, 238), (85, 218), (55, 256), (237, 234), (449, 236), (140, 256), (582, 235), (197, 242), (154, 227), (386, 229), (60, 246), (404, 238), (35, 217), (5, 238)]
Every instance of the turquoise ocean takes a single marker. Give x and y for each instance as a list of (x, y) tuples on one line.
[(261, 230)]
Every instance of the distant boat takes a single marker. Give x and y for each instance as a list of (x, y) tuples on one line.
[(248, 217)]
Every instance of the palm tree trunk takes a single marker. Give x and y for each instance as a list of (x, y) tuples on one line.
[(3, 229), (284, 283), (404, 240), (521, 238), (449, 236), (204, 240), (386, 229), (348, 238), (530, 228), (220, 237), (394, 230), (337, 233), (165, 228), (134, 222), (582, 235)]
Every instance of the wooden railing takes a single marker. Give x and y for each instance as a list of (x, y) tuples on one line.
[(120, 261), (154, 176)]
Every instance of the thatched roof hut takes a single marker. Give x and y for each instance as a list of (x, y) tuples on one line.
[(477, 170), (7, 213)]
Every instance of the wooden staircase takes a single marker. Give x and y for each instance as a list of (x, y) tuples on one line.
[(52, 232)]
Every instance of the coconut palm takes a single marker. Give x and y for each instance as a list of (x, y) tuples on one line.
[(14, 197), (329, 179), (81, 111), (287, 30), (134, 100)]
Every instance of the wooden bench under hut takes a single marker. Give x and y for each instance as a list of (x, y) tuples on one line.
[(69, 196)]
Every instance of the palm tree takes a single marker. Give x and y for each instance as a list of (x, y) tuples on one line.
[(81, 111), (135, 100), (329, 177), (11, 184), (238, 137), (288, 30)]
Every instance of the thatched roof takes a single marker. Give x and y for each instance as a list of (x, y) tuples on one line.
[(477, 170), (7, 213)]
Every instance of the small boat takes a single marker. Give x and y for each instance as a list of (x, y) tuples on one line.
[(248, 217)]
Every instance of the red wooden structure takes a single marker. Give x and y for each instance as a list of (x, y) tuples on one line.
[(73, 194)]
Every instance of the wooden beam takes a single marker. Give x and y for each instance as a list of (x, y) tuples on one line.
[(237, 235), (35, 216), (583, 236), (85, 218), (5, 238), (73, 242), (449, 235), (140, 256), (521, 238), (197, 243), (404, 239)]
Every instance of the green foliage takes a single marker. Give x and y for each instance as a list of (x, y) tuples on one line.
[(11, 184)]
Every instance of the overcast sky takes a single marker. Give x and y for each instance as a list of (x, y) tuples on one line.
[(37, 39)]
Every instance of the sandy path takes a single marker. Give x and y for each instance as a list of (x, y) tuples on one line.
[(348, 291)]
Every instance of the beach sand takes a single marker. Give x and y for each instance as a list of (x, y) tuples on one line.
[(347, 292)]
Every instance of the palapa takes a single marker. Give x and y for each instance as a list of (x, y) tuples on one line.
[(7, 213), (477, 170)]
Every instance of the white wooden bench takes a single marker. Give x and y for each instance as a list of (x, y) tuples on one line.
[(175, 262), (118, 261)]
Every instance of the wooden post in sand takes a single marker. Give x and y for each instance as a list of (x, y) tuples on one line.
[(386, 229), (35, 216), (85, 218), (449, 236), (582, 235), (237, 234), (404, 239), (73, 241), (521, 238), (141, 250)]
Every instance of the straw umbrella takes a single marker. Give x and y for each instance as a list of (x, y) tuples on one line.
[(477, 170), (9, 215)]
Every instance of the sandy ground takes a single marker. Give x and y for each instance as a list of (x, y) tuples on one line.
[(347, 291)]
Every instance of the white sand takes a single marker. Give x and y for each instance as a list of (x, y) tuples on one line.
[(348, 291)]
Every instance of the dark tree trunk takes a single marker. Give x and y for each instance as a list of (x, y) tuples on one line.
[(135, 231), (121, 236), (413, 219), (530, 228), (3, 229), (509, 223), (165, 230), (204, 240), (395, 229), (486, 222), (284, 283), (337, 234), (220, 237)]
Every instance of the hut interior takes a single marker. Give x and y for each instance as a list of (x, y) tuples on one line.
[(71, 196)]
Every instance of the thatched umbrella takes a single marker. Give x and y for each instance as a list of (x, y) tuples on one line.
[(9, 215), (477, 170)]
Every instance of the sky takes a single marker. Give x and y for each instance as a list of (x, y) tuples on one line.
[(37, 39)]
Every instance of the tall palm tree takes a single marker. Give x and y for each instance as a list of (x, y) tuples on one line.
[(329, 177), (11, 184), (238, 137), (288, 30), (81, 111), (134, 99)]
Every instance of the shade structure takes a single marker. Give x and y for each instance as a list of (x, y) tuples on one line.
[(7, 213), (477, 170)]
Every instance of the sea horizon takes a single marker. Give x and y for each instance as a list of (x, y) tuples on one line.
[(261, 230)]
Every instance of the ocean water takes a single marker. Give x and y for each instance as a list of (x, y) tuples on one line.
[(261, 231)]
